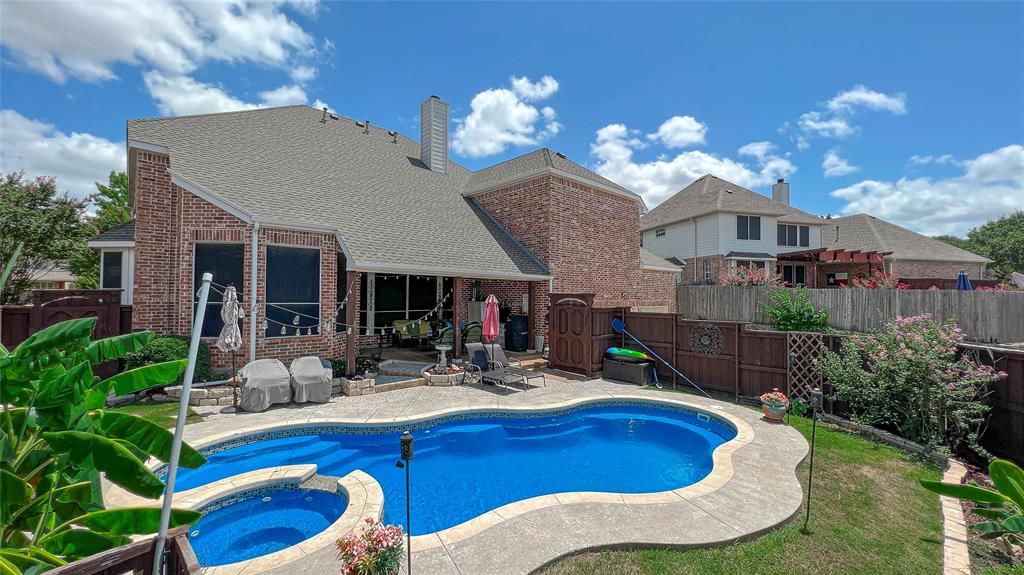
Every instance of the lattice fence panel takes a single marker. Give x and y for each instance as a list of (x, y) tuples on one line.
[(803, 349)]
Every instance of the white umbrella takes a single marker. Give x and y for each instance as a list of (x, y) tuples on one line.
[(230, 338)]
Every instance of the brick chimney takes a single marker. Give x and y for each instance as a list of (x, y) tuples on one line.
[(434, 134), (780, 191)]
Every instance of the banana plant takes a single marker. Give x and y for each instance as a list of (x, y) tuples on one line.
[(57, 441), (1002, 507)]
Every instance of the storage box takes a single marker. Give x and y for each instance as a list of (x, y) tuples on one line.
[(638, 373)]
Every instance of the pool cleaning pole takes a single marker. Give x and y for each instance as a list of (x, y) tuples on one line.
[(179, 425)]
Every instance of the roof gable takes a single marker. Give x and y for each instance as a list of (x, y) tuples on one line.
[(867, 233)]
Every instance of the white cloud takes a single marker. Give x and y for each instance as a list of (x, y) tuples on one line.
[(184, 95), (534, 91), (39, 149), (87, 39), (303, 74), (680, 132), (835, 120), (658, 179), (860, 96), (320, 105), (992, 185), (943, 159), (835, 166), (502, 117)]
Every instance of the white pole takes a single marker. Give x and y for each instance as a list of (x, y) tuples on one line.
[(179, 425)]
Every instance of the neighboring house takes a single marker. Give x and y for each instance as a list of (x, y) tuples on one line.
[(716, 226), (907, 254), (323, 211), (117, 259), (54, 278)]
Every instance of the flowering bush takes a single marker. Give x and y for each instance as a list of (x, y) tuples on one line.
[(907, 377), (878, 280), (999, 287), (775, 398), (793, 311), (376, 550), (745, 276)]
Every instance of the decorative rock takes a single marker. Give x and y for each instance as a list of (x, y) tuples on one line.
[(353, 387), (158, 397), (218, 392), (204, 401), (225, 400)]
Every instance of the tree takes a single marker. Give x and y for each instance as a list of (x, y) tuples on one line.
[(51, 227), (1002, 241), (957, 242), (112, 210)]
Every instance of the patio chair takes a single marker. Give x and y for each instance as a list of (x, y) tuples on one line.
[(493, 372), (445, 336), (311, 379), (264, 382), (497, 356), (473, 333), (415, 331)]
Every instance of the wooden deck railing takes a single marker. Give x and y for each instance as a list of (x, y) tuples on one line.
[(137, 558)]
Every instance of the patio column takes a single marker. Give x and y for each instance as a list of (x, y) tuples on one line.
[(350, 319), (456, 314)]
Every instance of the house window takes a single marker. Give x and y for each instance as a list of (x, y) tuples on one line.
[(750, 264), (794, 275), (111, 276), (293, 286), (659, 232), (707, 270), (224, 261), (790, 235), (748, 227)]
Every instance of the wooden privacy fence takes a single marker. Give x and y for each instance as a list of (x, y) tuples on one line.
[(984, 316), (731, 358)]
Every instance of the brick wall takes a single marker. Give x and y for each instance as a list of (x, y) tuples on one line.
[(156, 240), (658, 289), (937, 269), (718, 267)]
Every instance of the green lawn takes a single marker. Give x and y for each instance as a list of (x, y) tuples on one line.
[(162, 414), (869, 516)]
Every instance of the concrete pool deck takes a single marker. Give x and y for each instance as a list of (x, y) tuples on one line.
[(751, 489)]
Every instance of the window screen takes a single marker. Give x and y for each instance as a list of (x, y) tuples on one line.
[(748, 227), (293, 283), (805, 236), (111, 270), (224, 261)]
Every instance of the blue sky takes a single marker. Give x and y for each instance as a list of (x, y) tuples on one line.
[(913, 112)]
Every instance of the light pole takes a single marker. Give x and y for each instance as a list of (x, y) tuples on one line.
[(817, 399), (406, 445)]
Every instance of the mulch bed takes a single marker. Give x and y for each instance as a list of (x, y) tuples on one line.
[(985, 553)]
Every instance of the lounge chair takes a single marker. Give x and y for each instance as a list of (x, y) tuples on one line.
[(311, 379), (497, 356), (495, 372), (264, 382)]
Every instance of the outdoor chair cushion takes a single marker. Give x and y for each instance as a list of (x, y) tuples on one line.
[(264, 382), (311, 379)]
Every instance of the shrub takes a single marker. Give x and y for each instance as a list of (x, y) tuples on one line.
[(745, 276), (878, 280), (908, 378), (376, 550), (363, 365), (170, 348), (791, 310)]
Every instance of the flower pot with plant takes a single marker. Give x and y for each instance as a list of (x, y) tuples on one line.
[(774, 405)]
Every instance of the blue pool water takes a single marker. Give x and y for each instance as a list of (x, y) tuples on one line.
[(464, 468), (263, 523)]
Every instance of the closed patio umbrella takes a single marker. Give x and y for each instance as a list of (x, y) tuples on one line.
[(963, 283), (230, 338), (490, 327)]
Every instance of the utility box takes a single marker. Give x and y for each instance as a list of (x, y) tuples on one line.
[(638, 373)]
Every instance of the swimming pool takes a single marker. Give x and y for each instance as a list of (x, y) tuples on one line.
[(265, 520), (467, 465)]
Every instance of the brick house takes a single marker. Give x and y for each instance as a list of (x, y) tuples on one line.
[(715, 226), (347, 227)]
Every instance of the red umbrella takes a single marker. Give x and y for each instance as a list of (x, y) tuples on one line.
[(490, 327)]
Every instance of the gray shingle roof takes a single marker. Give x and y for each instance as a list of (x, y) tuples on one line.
[(709, 194), (649, 259), (122, 233), (533, 163), (868, 233), (284, 165)]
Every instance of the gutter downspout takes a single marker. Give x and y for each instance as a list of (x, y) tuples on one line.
[(694, 249), (254, 278)]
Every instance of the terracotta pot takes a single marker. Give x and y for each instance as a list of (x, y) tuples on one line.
[(773, 412)]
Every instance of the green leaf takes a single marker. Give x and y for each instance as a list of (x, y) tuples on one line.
[(8, 568), (1014, 524), (1009, 480), (149, 437), (81, 543), (118, 346), (55, 338), (968, 492), (64, 389), (114, 460), (993, 514), (989, 527), (134, 520), (15, 491), (145, 377), (30, 556)]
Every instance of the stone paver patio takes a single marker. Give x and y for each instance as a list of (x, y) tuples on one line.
[(751, 490)]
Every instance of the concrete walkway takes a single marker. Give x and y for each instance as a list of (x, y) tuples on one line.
[(752, 489)]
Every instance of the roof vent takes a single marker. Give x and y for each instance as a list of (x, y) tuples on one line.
[(323, 119), (434, 134), (360, 124), (394, 136), (366, 128), (560, 155)]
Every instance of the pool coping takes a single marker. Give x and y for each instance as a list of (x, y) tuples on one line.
[(723, 471)]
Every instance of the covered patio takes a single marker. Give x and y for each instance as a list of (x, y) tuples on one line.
[(823, 267)]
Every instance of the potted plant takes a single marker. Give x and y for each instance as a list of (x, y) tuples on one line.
[(774, 405), (374, 550)]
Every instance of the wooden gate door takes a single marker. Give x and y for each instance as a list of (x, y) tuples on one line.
[(570, 332)]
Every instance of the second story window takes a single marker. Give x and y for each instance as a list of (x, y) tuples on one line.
[(659, 232), (790, 235), (748, 227)]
